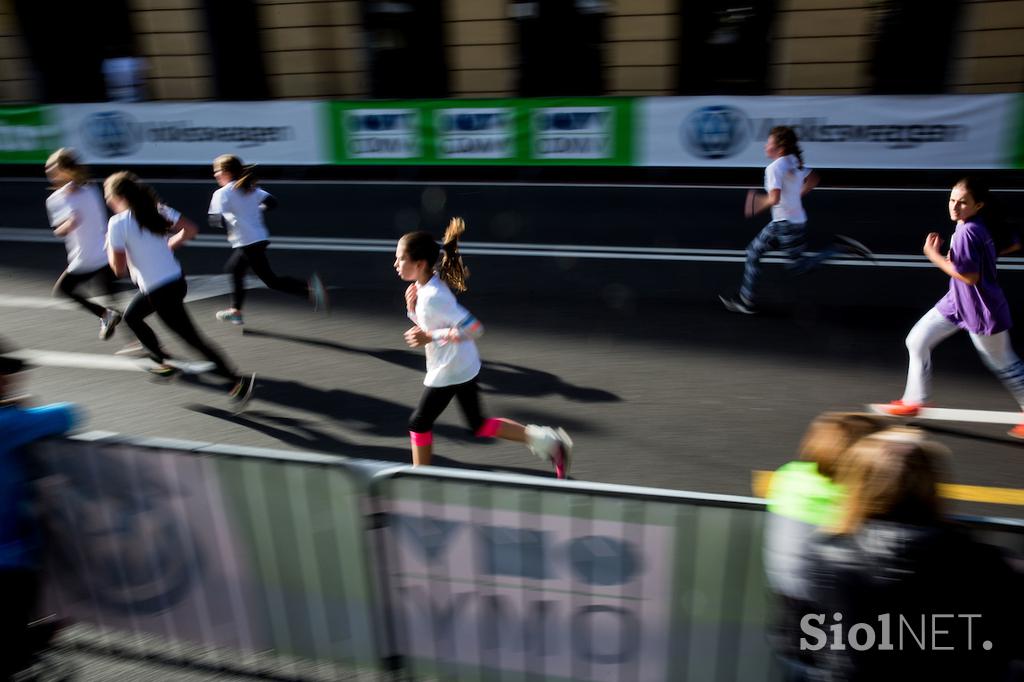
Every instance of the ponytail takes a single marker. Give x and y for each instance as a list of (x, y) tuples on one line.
[(142, 200), (785, 137), (243, 177), (445, 258), (452, 270)]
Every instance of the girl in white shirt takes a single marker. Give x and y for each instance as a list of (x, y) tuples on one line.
[(141, 239), (78, 216), (786, 182), (238, 206), (448, 332)]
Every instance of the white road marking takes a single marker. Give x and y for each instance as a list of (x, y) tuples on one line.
[(528, 250), (52, 358), (957, 415), (200, 287)]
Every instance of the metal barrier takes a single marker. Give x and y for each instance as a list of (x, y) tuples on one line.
[(307, 567), (192, 551)]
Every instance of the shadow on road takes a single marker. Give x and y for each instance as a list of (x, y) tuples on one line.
[(303, 433), (496, 377)]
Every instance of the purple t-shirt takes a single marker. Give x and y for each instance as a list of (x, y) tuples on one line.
[(982, 308)]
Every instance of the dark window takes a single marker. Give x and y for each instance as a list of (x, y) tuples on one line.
[(561, 44), (913, 46), (234, 32), (405, 45), (724, 47), (68, 43)]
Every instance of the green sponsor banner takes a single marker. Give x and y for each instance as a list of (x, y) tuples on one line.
[(509, 132), (1018, 150), (27, 134), (580, 132)]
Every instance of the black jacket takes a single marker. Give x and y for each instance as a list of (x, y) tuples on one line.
[(935, 583)]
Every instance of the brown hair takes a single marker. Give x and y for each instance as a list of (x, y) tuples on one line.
[(831, 434), (244, 177), (141, 198), (893, 474), (785, 137), (420, 246), (66, 159)]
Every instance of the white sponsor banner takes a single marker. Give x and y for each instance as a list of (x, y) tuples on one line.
[(942, 131), (382, 133), (531, 593), (196, 132), (476, 133), (573, 133)]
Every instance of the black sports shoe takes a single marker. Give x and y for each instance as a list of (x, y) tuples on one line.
[(108, 323), (737, 305), (241, 392), (856, 248)]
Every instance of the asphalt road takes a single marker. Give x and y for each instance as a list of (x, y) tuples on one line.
[(633, 355)]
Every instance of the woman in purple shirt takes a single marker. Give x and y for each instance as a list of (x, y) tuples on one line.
[(975, 302)]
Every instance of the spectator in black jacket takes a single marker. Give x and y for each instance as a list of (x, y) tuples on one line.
[(901, 593)]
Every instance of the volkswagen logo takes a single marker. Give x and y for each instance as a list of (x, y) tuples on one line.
[(716, 132), (111, 133)]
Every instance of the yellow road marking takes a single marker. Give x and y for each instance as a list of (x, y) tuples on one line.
[(953, 491)]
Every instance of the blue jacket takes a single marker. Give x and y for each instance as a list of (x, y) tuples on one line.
[(19, 541)]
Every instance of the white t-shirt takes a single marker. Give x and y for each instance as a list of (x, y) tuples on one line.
[(150, 260), (785, 174), (448, 363), (85, 243), (242, 213)]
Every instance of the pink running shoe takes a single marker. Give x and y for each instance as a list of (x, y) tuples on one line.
[(898, 408), (562, 455)]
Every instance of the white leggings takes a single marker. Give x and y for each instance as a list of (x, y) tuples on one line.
[(995, 350)]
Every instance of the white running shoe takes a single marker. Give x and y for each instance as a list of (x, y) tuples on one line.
[(230, 315)]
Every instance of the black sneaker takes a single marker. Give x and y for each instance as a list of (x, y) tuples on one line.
[(737, 305), (855, 248), (241, 392), (108, 323)]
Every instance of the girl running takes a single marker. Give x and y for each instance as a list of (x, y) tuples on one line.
[(786, 182), (238, 206), (448, 331), (78, 216), (975, 302), (141, 239)]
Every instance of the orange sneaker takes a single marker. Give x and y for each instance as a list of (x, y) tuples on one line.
[(898, 408), (1017, 431)]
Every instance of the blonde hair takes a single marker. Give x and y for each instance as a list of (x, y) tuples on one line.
[(244, 177), (66, 159), (891, 474), (831, 434)]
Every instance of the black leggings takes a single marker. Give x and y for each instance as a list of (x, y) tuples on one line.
[(168, 302), (436, 398), (68, 282), (255, 256)]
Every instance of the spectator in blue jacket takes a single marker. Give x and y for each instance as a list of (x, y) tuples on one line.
[(19, 530)]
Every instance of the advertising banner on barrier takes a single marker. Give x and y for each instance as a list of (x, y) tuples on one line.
[(27, 134), (227, 554), (483, 132), (943, 131), (289, 133), (545, 594)]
